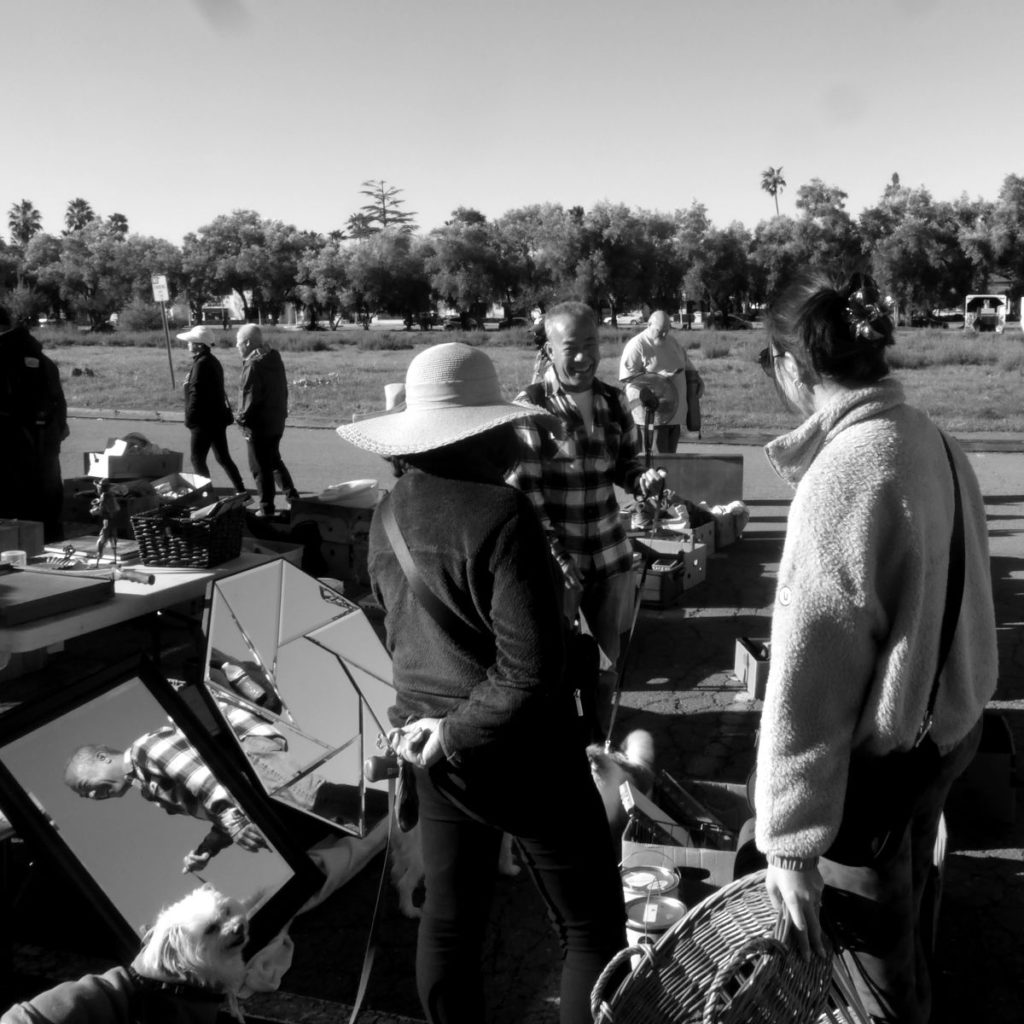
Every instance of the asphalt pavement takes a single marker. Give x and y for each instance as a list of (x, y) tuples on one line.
[(679, 684)]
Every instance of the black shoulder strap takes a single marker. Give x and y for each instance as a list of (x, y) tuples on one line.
[(455, 627), (954, 591)]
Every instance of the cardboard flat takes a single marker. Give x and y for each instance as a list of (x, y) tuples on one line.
[(131, 466), (26, 595), (753, 660), (715, 479), (669, 575)]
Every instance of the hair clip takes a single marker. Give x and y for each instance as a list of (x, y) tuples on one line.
[(862, 315)]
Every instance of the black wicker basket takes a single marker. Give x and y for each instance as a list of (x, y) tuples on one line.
[(168, 538)]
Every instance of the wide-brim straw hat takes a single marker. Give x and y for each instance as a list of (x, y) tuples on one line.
[(451, 393)]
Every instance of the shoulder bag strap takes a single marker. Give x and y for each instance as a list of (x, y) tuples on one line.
[(954, 592), (438, 610)]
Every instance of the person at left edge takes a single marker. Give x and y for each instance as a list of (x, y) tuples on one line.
[(207, 413), (33, 423)]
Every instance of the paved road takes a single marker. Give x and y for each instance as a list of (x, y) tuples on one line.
[(680, 686)]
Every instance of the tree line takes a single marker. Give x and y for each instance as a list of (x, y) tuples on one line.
[(925, 252)]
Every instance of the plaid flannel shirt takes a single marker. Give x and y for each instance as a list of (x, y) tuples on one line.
[(168, 771), (570, 479)]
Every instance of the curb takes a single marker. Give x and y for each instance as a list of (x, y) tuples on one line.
[(987, 442)]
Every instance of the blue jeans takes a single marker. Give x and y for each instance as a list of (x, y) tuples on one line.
[(545, 797)]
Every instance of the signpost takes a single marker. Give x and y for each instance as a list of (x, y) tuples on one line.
[(161, 295)]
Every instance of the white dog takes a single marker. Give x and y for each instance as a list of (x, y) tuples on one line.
[(191, 962), (633, 761)]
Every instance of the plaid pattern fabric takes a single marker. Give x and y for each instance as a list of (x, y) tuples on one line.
[(168, 771), (570, 479)]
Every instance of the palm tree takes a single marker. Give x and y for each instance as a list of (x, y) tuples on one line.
[(24, 220), (773, 183), (78, 213), (118, 223)]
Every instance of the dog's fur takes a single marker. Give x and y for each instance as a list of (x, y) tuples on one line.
[(190, 962), (633, 761), (198, 940)]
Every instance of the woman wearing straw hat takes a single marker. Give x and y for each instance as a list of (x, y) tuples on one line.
[(482, 707)]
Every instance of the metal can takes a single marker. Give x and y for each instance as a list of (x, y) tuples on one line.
[(649, 917), (649, 880)]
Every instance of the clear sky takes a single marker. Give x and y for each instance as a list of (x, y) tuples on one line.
[(174, 113)]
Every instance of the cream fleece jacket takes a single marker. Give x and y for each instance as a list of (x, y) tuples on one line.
[(858, 607)]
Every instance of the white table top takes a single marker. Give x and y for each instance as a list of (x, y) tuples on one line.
[(130, 600)]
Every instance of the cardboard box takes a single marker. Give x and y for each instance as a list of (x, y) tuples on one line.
[(753, 659), (131, 466), (183, 488), (670, 575), (289, 552), (338, 524), (21, 535), (701, 869), (347, 561)]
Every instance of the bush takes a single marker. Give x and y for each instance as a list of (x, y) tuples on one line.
[(140, 315), (383, 341)]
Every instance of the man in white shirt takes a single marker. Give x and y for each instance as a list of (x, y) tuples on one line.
[(654, 350)]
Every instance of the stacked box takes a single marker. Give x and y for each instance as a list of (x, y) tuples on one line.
[(669, 576), (282, 549), (702, 869), (344, 536), (21, 535), (752, 664), (131, 466)]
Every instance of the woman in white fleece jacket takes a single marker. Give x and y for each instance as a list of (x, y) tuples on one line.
[(855, 641)]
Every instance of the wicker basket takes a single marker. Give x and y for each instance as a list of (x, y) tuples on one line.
[(727, 961), (167, 537)]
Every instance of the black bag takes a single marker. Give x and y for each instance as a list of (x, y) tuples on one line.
[(407, 803), (880, 797), (227, 415), (693, 420)]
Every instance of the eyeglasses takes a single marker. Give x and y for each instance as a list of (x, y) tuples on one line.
[(766, 359)]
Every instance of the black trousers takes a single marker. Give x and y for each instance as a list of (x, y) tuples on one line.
[(555, 814), (205, 438), (884, 907), (265, 464)]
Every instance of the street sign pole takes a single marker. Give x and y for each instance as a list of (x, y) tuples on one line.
[(161, 295)]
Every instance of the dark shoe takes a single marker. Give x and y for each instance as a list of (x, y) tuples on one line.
[(293, 495), (264, 514)]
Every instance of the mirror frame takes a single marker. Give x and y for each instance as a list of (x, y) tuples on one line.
[(194, 714)]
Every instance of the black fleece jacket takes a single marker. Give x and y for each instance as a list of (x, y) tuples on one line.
[(479, 546)]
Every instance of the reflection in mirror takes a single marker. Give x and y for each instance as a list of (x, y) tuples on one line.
[(296, 655), (133, 818)]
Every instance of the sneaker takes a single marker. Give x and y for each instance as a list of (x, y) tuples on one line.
[(262, 513), (249, 499)]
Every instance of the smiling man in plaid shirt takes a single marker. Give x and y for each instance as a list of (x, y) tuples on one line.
[(570, 479), (166, 770)]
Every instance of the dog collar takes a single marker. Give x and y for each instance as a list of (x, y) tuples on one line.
[(178, 989)]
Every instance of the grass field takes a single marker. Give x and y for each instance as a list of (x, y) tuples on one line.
[(968, 383)]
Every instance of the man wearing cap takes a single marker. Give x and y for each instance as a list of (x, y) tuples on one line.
[(207, 413), (571, 480), (263, 408), (654, 350)]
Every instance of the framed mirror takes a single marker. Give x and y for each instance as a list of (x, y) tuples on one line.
[(306, 666), (125, 845)]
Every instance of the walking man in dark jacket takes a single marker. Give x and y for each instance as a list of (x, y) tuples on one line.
[(263, 408), (207, 413), (33, 423)]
